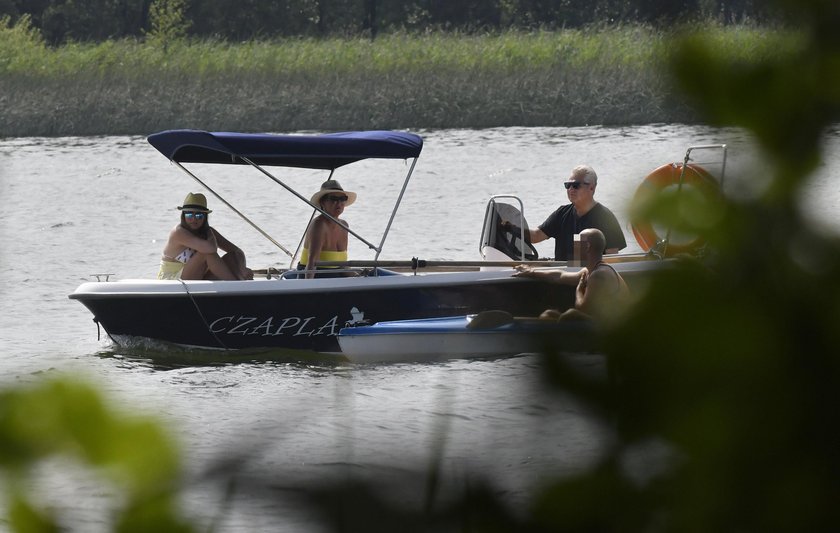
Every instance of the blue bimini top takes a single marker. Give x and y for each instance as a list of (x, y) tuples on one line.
[(326, 151)]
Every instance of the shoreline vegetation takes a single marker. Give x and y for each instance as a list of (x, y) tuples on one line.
[(603, 75)]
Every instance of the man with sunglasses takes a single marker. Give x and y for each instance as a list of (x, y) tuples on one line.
[(583, 212), (191, 252)]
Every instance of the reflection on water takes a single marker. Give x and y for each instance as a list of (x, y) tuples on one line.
[(166, 356)]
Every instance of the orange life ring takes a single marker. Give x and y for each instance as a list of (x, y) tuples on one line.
[(668, 176)]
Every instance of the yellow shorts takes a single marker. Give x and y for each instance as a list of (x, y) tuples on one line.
[(170, 269)]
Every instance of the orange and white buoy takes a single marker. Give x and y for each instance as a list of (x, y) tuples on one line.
[(672, 178)]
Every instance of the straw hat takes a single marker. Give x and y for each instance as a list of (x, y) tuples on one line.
[(331, 186), (195, 201)]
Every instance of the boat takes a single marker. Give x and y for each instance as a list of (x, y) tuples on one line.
[(281, 310), (489, 334)]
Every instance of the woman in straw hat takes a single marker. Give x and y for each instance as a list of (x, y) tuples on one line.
[(192, 249), (326, 240)]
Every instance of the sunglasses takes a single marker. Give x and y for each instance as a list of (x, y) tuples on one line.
[(574, 184), (197, 216), (336, 198)]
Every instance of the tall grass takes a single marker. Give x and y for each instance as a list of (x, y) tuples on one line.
[(609, 75)]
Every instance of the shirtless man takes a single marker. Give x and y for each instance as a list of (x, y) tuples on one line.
[(600, 290), (326, 240)]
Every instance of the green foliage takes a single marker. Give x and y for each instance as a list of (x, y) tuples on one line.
[(21, 45), (600, 75), (168, 23), (723, 374), (598, 47), (67, 418)]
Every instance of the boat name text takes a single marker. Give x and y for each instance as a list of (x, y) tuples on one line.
[(271, 326)]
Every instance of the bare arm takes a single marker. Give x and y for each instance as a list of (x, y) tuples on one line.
[(537, 235), (553, 276), (593, 292), (180, 238), (238, 262), (317, 237), (225, 244), (531, 235)]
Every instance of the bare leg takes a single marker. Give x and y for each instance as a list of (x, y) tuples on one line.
[(206, 266), (236, 263), (217, 269), (194, 268)]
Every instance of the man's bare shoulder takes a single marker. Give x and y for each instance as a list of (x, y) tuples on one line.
[(601, 273)]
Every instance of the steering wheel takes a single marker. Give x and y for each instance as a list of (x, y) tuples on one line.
[(531, 253), (510, 234)]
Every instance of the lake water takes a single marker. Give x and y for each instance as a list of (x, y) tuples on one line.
[(72, 207)]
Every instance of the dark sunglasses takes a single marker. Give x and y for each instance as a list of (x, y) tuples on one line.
[(574, 184), (198, 216), (336, 198)]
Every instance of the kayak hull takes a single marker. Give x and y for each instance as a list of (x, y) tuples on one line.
[(451, 337)]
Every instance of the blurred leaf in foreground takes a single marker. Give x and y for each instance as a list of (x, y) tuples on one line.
[(67, 418), (726, 372)]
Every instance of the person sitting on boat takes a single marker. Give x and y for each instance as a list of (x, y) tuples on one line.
[(326, 239), (583, 212), (191, 252), (600, 290)]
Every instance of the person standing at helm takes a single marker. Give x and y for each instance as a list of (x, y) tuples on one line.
[(583, 212), (326, 239)]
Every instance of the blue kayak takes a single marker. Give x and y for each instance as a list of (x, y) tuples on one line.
[(489, 334)]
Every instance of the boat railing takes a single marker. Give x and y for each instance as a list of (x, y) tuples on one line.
[(416, 265), (235, 210), (316, 207), (661, 247), (705, 147)]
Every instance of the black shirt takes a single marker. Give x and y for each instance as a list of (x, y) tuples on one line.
[(564, 223)]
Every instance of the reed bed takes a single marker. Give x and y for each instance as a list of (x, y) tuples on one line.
[(609, 76)]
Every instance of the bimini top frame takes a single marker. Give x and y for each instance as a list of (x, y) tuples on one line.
[(326, 152)]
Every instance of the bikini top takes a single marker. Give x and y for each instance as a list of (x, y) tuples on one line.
[(185, 255), (325, 255)]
